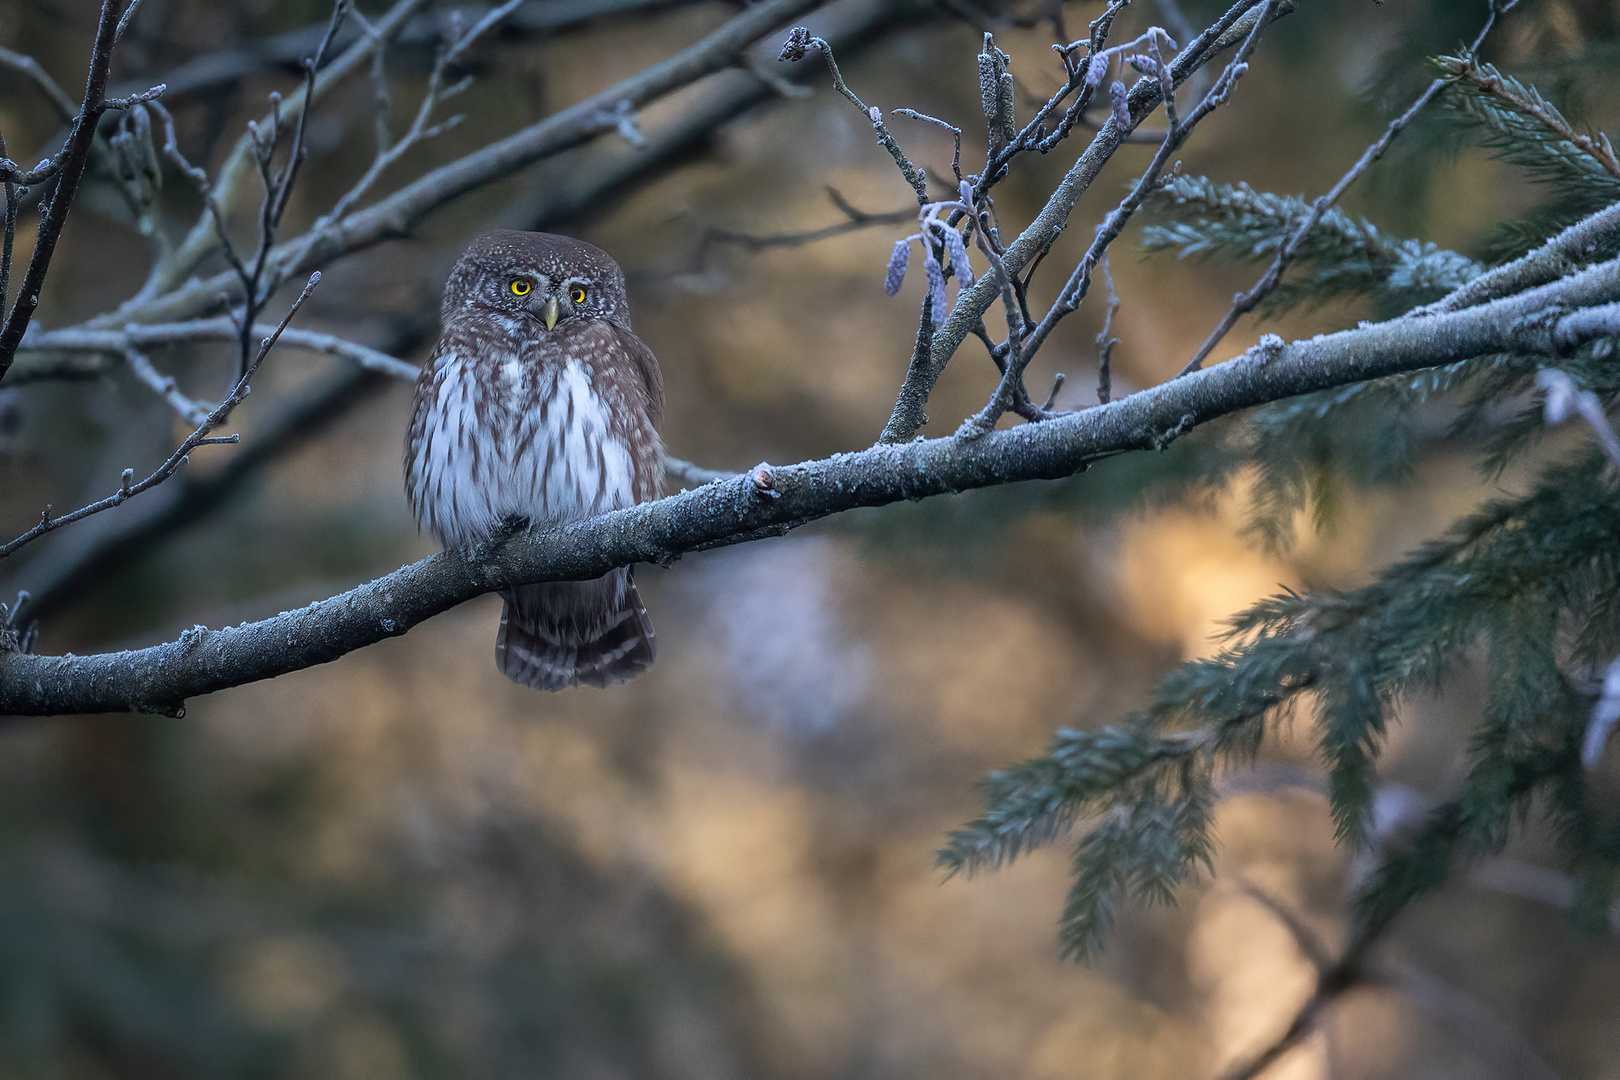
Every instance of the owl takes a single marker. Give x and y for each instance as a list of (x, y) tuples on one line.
[(540, 403)]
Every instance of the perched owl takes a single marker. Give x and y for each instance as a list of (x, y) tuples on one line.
[(539, 402)]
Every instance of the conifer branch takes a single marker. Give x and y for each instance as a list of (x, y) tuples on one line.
[(1345, 255), (1525, 119)]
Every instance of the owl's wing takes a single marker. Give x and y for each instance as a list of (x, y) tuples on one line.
[(416, 435), (645, 365)]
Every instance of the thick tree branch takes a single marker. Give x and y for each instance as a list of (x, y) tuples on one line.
[(219, 328), (766, 501), (1597, 235), (219, 68)]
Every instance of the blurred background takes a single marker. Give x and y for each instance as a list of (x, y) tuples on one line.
[(401, 865)]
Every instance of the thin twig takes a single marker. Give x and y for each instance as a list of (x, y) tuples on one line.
[(797, 45), (391, 151), (127, 18), (689, 475), (205, 189), (76, 154), (909, 411), (856, 219), (30, 69), (1074, 291), (1245, 302), (257, 285), (1105, 340), (1571, 249), (8, 232), (167, 299), (12, 173), (193, 412), (129, 488), (956, 137), (230, 185)]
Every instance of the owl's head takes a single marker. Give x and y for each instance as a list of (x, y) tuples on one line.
[(538, 277)]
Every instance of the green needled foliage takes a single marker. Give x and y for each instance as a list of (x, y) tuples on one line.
[(1527, 586), (1505, 578), (1343, 256), (1524, 129)]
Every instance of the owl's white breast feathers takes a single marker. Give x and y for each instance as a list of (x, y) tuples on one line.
[(529, 441)]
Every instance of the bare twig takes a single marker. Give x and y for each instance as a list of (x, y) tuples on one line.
[(200, 437), (75, 155), (1571, 249), (797, 45), (1079, 283), (908, 414), (1245, 302), (230, 185), (12, 173), (956, 137), (1335, 977), (127, 18), (1105, 341), (199, 179), (8, 231), (689, 475), (193, 412), (58, 573), (257, 285), (855, 220), (218, 68), (390, 151), (30, 69)]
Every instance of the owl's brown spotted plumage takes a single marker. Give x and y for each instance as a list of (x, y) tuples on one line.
[(539, 402)]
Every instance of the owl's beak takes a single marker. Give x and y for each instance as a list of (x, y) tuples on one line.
[(550, 312)]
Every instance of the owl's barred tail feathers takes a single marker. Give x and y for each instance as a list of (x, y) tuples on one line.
[(569, 633)]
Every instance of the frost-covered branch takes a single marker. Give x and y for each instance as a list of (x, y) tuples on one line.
[(770, 501)]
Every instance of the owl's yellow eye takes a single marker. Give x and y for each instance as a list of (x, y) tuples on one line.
[(577, 294), (520, 287)]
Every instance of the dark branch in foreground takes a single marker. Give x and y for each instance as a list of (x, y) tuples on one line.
[(769, 501), (75, 156)]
